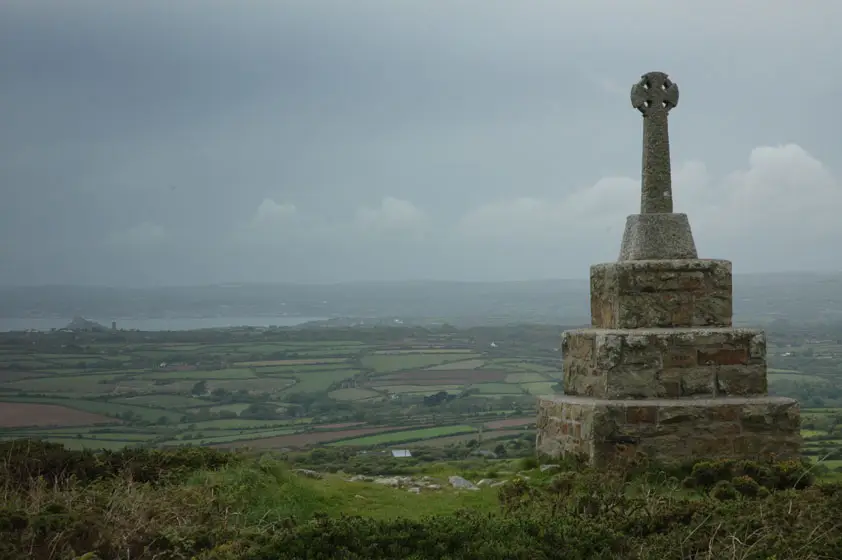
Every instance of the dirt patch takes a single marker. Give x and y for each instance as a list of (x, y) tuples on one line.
[(509, 423), (21, 415), (306, 439)]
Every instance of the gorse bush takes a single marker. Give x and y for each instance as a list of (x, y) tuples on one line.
[(61, 505), (770, 475), (24, 461)]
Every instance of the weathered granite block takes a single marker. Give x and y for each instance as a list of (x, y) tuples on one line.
[(657, 236), (664, 363), (605, 431), (661, 293)]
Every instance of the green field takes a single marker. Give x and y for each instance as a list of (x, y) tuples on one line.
[(163, 401), (240, 424), (408, 435), (236, 408), (293, 370), (545, 388), (257, 384), (100, 383), (353, 394), (125, 437), (384, 363), (528, 377), (420, 389), (211, 440), (234, 373), (497, 388), (465, 364), (314, 381), (102, 407)]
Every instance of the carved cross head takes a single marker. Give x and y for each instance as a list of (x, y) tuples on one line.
[(654, 93)]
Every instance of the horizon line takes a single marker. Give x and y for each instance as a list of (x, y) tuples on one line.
[(237, 284)]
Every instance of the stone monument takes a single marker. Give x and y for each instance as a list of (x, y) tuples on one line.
[(662, 371)]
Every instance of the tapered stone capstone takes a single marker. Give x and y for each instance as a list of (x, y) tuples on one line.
[(657, 236)]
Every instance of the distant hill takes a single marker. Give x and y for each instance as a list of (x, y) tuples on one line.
[(759, 298)]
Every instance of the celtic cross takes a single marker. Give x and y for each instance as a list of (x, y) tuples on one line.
[(655, 95)]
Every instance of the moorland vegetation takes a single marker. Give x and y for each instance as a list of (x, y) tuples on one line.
[(209, 504)]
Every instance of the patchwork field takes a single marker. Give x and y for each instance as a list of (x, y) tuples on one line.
[(223, 389), (368, 387)]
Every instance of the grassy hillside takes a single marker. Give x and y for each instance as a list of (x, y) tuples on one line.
[(206, 504)]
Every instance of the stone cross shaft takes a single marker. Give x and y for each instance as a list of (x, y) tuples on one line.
[(655, 95)]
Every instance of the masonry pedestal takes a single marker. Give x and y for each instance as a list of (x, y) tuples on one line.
[(663, 372)]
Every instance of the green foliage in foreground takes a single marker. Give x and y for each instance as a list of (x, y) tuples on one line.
[(60, 504)]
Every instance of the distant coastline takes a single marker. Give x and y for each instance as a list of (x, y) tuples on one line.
[(155, 324)]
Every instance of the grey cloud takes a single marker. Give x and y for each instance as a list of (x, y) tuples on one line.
[(190, 114)]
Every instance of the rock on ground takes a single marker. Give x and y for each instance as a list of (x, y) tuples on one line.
[(308, 473), (461, 483), (361, 478)]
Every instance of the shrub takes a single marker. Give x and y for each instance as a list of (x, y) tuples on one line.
[(25, 461), (773, 475), (746, 486), (528, 463), (791, 474), (723, 490), (708, 473)]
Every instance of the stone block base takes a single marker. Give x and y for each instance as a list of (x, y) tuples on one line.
[(668, 431), (661, 293), (664, 363), (657, 236)]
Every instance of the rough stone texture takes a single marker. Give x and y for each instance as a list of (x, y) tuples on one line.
[(655, 95), (663, 373), (664, 363), (668, 431), (661, 293), (657, 236)]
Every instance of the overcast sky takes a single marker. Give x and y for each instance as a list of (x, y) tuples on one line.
[(172, 142)]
